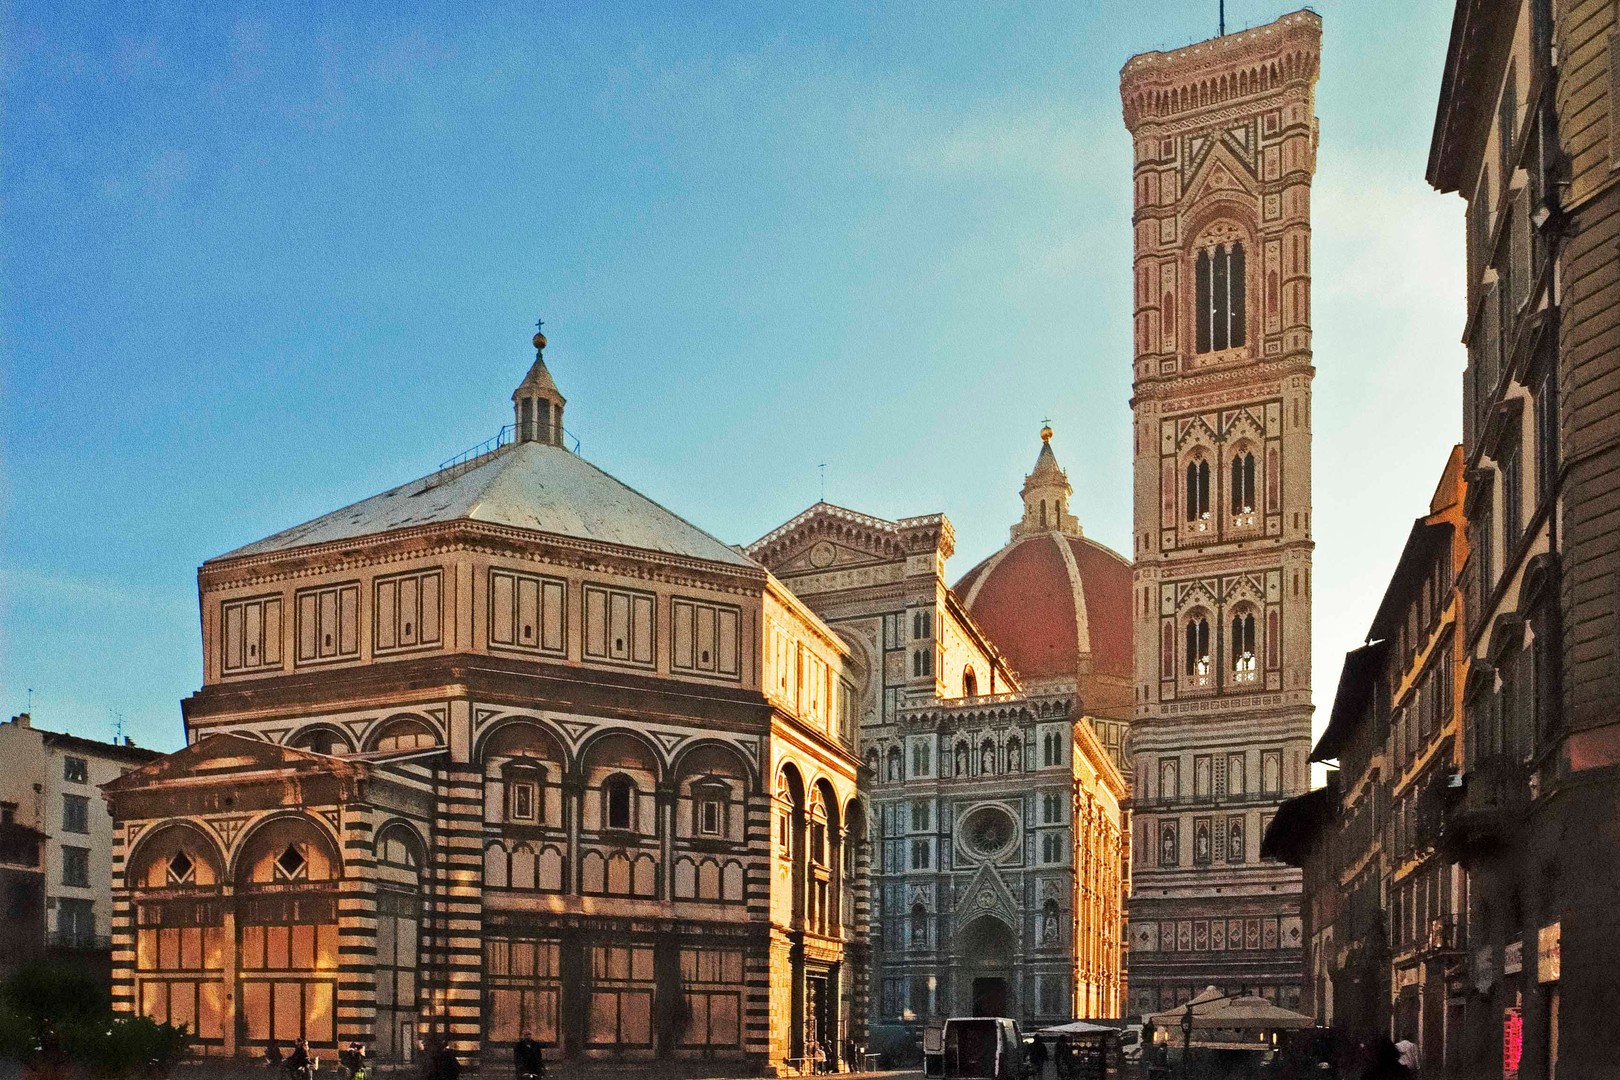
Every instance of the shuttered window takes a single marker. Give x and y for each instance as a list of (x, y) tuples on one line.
[(251, 634), (526, 612), (329, 623), (704, 638), (619, 625), (408, 612)]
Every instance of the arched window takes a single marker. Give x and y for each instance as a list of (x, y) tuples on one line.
[(1043, 514), (1243, 490), (405, 733), (1197, 651), (618, 802), (970, 683), (1219, 311), (1197, 489), (919, 926), (1243, 649), (987, 758)]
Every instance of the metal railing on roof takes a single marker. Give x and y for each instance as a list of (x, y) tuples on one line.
[(474, 456)]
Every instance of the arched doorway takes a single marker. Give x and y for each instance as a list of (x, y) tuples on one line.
[(988, 953)]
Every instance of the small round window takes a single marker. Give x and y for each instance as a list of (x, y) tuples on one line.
[(988, 830)]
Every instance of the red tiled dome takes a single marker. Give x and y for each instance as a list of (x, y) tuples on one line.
[(1049, 601)]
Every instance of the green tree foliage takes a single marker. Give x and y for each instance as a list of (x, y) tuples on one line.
[(59, 1021)]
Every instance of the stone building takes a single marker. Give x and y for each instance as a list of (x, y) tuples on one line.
[(1528, 133), (1225, 148), (998, 830), (50, 784), (508, 746), (22, 891), (1385, 911)]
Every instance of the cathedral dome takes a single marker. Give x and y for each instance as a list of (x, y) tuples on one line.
[(1057, 605)]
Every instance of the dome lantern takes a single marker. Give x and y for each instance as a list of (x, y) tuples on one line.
[(537, 404), (1046, 494)]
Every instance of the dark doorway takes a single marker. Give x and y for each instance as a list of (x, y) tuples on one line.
[(818, 1018), (990, 997)]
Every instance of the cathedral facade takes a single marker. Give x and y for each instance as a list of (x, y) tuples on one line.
[(510, 747), (1225, 147), (998, 831)]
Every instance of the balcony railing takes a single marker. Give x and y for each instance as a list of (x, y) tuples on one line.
[(1445, 935), (72, 939), (1492, 793)]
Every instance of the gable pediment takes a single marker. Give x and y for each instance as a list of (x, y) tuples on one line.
[(827, 537), (986, 893), (225, 755), (1222, 171)]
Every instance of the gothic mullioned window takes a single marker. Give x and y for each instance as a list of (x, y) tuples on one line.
[(1244, 654), (1197, 490), (1197, 650), (1243, 488), (1220, 285)]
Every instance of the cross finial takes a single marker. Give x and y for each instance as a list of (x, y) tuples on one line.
[(539, 324)]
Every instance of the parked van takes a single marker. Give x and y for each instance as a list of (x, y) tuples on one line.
[(976, 1048)]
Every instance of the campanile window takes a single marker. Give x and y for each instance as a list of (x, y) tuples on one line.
[(1219, 313), (1197, 490), (1197, 650)]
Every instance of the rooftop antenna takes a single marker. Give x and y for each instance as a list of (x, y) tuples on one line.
[(118, 726), (30, 709), (1223, 17), (822, 468)]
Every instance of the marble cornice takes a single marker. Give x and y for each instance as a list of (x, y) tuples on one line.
[(480, 538)]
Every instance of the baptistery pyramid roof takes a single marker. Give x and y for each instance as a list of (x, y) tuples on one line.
[(531, 483), (524, 485)]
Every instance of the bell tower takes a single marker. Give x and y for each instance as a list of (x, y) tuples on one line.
[(1225, 148)]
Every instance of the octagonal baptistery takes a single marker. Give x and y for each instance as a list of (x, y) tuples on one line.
[(1058, 605), (509, 747)]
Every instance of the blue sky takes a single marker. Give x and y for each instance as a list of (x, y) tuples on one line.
[(264, 260)]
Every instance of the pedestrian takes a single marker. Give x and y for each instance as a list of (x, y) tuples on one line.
[(1065, 1059), (298, 1063), (528, 1058), (272, 1055), (446, 1066), (1037, 1060), (1386, 1063), (1408, 1051), (352, 1059)]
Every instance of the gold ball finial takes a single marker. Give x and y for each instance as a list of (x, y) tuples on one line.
[(539, 342), (1046, 433)]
